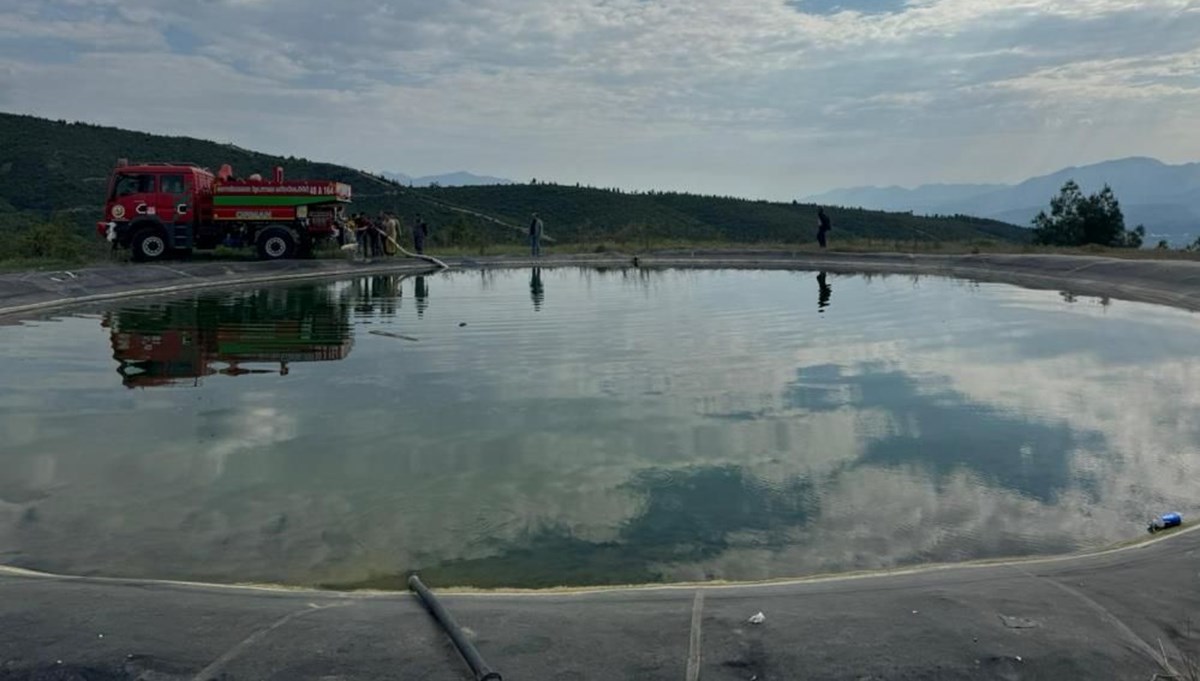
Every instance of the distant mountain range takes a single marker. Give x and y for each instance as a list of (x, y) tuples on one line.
[(460, 178), (1165, 198)]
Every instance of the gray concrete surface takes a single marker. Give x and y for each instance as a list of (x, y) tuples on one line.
[(35, 291), (1105, 616), (1167, 282)]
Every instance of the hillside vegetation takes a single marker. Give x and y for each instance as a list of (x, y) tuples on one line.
[(56, 171)]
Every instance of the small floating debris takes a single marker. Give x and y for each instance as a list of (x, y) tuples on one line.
[(461, 324), (1018, 622), (390, 334), (1164, 522), (757, 618)]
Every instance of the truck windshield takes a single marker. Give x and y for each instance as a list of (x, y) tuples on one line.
[(171, 184), (140, 183)]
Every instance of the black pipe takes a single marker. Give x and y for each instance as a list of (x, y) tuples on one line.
[(478, 666)]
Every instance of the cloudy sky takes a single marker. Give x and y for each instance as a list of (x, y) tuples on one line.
[(772, 98)]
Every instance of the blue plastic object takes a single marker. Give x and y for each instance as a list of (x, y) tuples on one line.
[(1165, 521)]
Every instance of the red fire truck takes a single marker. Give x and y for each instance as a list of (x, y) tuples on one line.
[(160, 209)]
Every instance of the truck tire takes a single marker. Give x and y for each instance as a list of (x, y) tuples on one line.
[(276, 243), (148, 244)]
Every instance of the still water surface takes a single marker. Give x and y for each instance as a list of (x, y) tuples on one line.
[(535, 428)]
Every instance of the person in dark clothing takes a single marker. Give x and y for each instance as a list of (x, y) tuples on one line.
[(535, 235), (376, 237), (823, 226), (420, 231), (366, 228)]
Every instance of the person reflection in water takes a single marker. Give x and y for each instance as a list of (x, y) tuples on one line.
[(421, 293), (536, 290), (824, 292)]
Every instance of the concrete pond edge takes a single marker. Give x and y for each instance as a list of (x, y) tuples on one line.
[(1174, 283), (1140, 543)]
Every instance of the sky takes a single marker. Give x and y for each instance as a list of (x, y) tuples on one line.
[(760, 98)]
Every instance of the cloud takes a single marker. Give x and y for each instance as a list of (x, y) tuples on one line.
[(859, 6), (765, 97), (1160, 78)]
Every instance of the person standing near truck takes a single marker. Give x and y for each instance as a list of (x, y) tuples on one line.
[(369, 235), (342, 223), (359, 224), (391, 233), (376, 234), (824, 224)]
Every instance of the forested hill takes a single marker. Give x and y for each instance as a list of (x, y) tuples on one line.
[(60, 169)]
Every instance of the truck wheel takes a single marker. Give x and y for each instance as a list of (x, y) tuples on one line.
[(148, 244), (276, 243)]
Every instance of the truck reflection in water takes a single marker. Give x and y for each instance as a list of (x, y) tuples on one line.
[(180, 342)]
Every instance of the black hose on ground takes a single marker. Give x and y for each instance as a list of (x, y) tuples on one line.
[(465, 648)]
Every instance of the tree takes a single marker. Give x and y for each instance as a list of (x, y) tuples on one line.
[(49, 240), (1135, 238), (1076, 220)]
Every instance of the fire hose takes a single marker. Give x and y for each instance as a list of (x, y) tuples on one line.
[(480, 668), (421, 256)]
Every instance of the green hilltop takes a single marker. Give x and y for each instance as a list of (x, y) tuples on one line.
[(58, 170)]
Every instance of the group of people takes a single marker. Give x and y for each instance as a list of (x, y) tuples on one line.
[(380, 235)]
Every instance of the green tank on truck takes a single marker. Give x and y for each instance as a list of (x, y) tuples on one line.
[(157, 210)]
